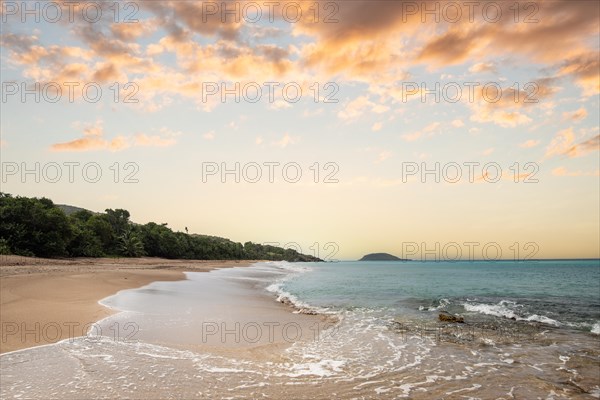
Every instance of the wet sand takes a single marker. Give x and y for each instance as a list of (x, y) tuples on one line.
[(43, 301)]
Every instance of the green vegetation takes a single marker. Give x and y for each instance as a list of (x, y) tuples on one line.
[(38, 227)]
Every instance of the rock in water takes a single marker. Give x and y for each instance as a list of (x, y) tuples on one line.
[(447, 317)]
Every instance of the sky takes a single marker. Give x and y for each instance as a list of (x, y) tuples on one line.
[(426, 129)]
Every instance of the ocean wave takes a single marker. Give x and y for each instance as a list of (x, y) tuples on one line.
[(283, 296), (596, 328), (541, 318), (443, 303), (288, 266), (506, 309), (497, 310)]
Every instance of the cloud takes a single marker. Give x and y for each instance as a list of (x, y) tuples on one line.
[(482, 67), (209, 135), (89, 143), (143, 140), (563, 143), (358, 107), (375, 42), (506, 106), (428, 130), (285, 141), (576, 115), (529, 144), (132, 31), (584, 148), (106, 73), (562, 171), (487, 152), (502, 118), (382, 156), (452, 47), (585, 70), (280, 104), (312, 113), (93, 139), (377, 127), (457, 123), (181, 17), (560, 30), (371, 40)]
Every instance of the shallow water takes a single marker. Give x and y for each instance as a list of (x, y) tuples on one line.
[(387, 343)]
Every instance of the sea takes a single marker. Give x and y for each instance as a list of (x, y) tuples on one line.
[(347, 330)]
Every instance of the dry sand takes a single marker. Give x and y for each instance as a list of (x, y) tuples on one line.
[(43, 301)]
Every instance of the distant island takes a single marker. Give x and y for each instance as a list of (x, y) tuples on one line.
[(382, 257)]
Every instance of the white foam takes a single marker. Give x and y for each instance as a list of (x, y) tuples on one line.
[(323, 368), (287, 266), (442, 304), (284, 296), (596, 328), (468, 389), (543, 319), (505, 309), (497, 310)]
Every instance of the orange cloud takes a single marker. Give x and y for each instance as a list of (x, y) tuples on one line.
[(561, 143), (585, 69), (576, 115), (529, 144), (585, 147), (428, 131), (564, 144), (458, 123), (482, 67), (80, 145), (93, 139), (506, 106), (106, 73), (454, 46), (285, 141), (132, 31), (376, 36), (357, 107), (562, 171), (376, 42), (144, 140)]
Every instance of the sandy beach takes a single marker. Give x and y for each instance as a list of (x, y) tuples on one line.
[(43, 301)]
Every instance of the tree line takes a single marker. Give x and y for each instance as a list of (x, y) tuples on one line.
[(38, 228)]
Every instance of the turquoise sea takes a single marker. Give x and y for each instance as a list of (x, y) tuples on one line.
[(561, 293)]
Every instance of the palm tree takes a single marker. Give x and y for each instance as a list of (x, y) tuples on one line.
[(130, 244)]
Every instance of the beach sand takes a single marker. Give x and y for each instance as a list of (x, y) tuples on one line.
[(43, 301)]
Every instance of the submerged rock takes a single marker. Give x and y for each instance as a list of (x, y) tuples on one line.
[(447, 317)]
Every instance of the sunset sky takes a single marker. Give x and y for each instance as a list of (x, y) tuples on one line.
[(363, 116)]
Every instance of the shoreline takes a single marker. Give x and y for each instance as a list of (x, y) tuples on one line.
[(45, 301)]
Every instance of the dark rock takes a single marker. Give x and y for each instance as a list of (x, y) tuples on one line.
[(447, 317)]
